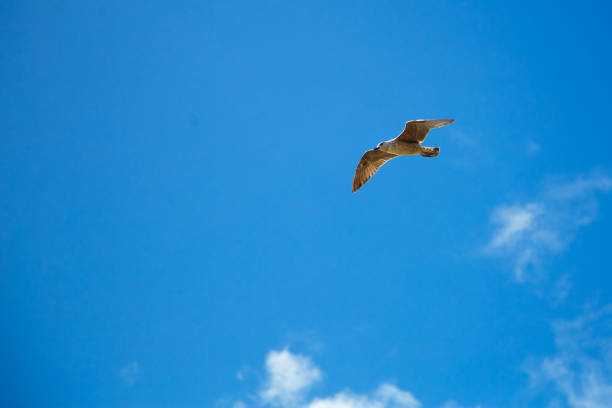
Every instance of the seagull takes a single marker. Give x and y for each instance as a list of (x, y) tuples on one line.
[(408, 143)]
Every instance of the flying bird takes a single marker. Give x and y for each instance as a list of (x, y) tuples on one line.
[(408, 143)]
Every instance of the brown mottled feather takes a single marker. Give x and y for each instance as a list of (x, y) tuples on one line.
[(368, 165), (417, 130)]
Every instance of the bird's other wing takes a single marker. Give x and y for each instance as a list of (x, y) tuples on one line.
[(368, 165), (416, 130)]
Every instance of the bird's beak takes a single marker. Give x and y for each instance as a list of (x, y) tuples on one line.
[(376, 148)]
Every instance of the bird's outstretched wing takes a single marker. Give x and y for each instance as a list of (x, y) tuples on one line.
[(368, 165), (416, 130)]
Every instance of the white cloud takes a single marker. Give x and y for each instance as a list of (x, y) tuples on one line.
[(392, 396), (129, 373), (386, 396), (345, 399), (288, 377), (530, 232), (514, 222), (581, 370)]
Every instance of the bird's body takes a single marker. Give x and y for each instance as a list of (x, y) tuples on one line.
[(408, 143), (401, 148)]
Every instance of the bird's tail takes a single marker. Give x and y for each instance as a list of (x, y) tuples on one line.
[(430, 151)]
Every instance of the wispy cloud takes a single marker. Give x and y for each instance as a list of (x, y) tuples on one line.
[(515, 222), (288, 377), (129, 373), (529, 232), (581, 370), (560, 290)]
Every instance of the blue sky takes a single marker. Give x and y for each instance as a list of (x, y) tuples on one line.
[(178, 228)]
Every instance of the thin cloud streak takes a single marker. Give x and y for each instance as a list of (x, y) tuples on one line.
[(581, 370), (528, 233)]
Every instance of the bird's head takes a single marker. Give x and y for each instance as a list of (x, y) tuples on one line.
[(381, 144)]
